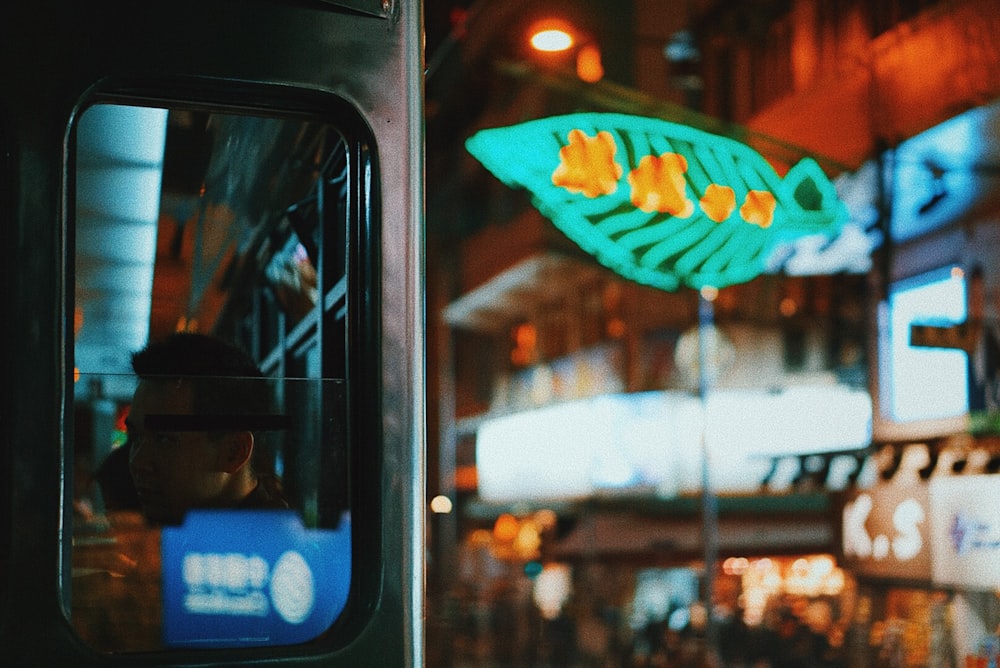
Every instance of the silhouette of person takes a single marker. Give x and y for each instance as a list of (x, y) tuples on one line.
[(194, 426)]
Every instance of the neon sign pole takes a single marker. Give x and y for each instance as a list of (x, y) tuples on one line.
[(709, 501), (668, 206)]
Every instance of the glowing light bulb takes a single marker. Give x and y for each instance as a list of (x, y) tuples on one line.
[(552, 40), (441, 504)]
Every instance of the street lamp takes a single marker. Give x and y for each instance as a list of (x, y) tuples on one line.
[(556, 36), (551, 40)]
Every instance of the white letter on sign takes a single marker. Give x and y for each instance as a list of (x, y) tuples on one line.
[(907, 519), (856, 538)]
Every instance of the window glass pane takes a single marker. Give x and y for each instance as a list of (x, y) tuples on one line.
[(209, 477)]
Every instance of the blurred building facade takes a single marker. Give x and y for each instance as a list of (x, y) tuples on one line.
[(896, 101)]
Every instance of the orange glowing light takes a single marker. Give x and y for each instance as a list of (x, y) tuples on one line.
[(525, 339), (718, 202), (480, 538), (506, 528), (526, 335), (758, 208), (587, 164), (616, 328), (466, 478), (527, 541), (588, 64), (658, 184)]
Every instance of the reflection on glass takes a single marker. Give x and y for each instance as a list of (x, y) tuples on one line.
[(210, 505), (119, 574)]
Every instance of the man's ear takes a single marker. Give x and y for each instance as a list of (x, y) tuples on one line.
[(235, 451)]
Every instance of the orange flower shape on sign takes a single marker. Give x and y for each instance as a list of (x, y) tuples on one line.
[(758, 208), (658, 184), (718, 202), (587, 164)]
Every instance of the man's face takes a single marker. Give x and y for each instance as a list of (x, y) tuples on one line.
[(172, 471)]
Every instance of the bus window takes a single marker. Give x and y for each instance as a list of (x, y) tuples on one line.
[(211, 503)]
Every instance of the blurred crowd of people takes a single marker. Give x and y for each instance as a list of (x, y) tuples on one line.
[(509, 631), (786, 638)]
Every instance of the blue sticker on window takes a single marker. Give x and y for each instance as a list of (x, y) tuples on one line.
[(239, 578)]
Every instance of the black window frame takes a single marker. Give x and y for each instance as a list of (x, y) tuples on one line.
[(356, 311)]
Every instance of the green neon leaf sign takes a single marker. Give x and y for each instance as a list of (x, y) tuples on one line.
[(660, 203)]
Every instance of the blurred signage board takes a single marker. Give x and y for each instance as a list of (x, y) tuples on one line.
[(236, 578), (965, 524), (886, 532), (652, 441)]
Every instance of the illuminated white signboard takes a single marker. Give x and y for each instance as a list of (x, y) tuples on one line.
[(652, 441), (965, 531), (886, 531)]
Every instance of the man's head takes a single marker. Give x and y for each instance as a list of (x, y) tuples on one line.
[(188, 448)]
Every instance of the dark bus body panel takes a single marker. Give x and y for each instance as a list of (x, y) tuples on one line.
[(308, 57)]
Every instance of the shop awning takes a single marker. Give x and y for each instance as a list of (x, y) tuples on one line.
[(609, 535)]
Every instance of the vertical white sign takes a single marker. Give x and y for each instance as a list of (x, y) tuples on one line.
[(965, 531)]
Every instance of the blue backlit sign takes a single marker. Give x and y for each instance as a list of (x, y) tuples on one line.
[(250, 578)]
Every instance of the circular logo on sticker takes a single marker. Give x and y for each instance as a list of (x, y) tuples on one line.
[(292, 590)]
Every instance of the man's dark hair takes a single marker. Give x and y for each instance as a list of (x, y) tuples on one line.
[(226, 379), (226, 382)]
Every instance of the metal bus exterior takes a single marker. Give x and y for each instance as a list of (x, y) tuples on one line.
[(262, 55)]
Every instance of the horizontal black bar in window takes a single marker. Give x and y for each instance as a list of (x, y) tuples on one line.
[(212, 422)]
